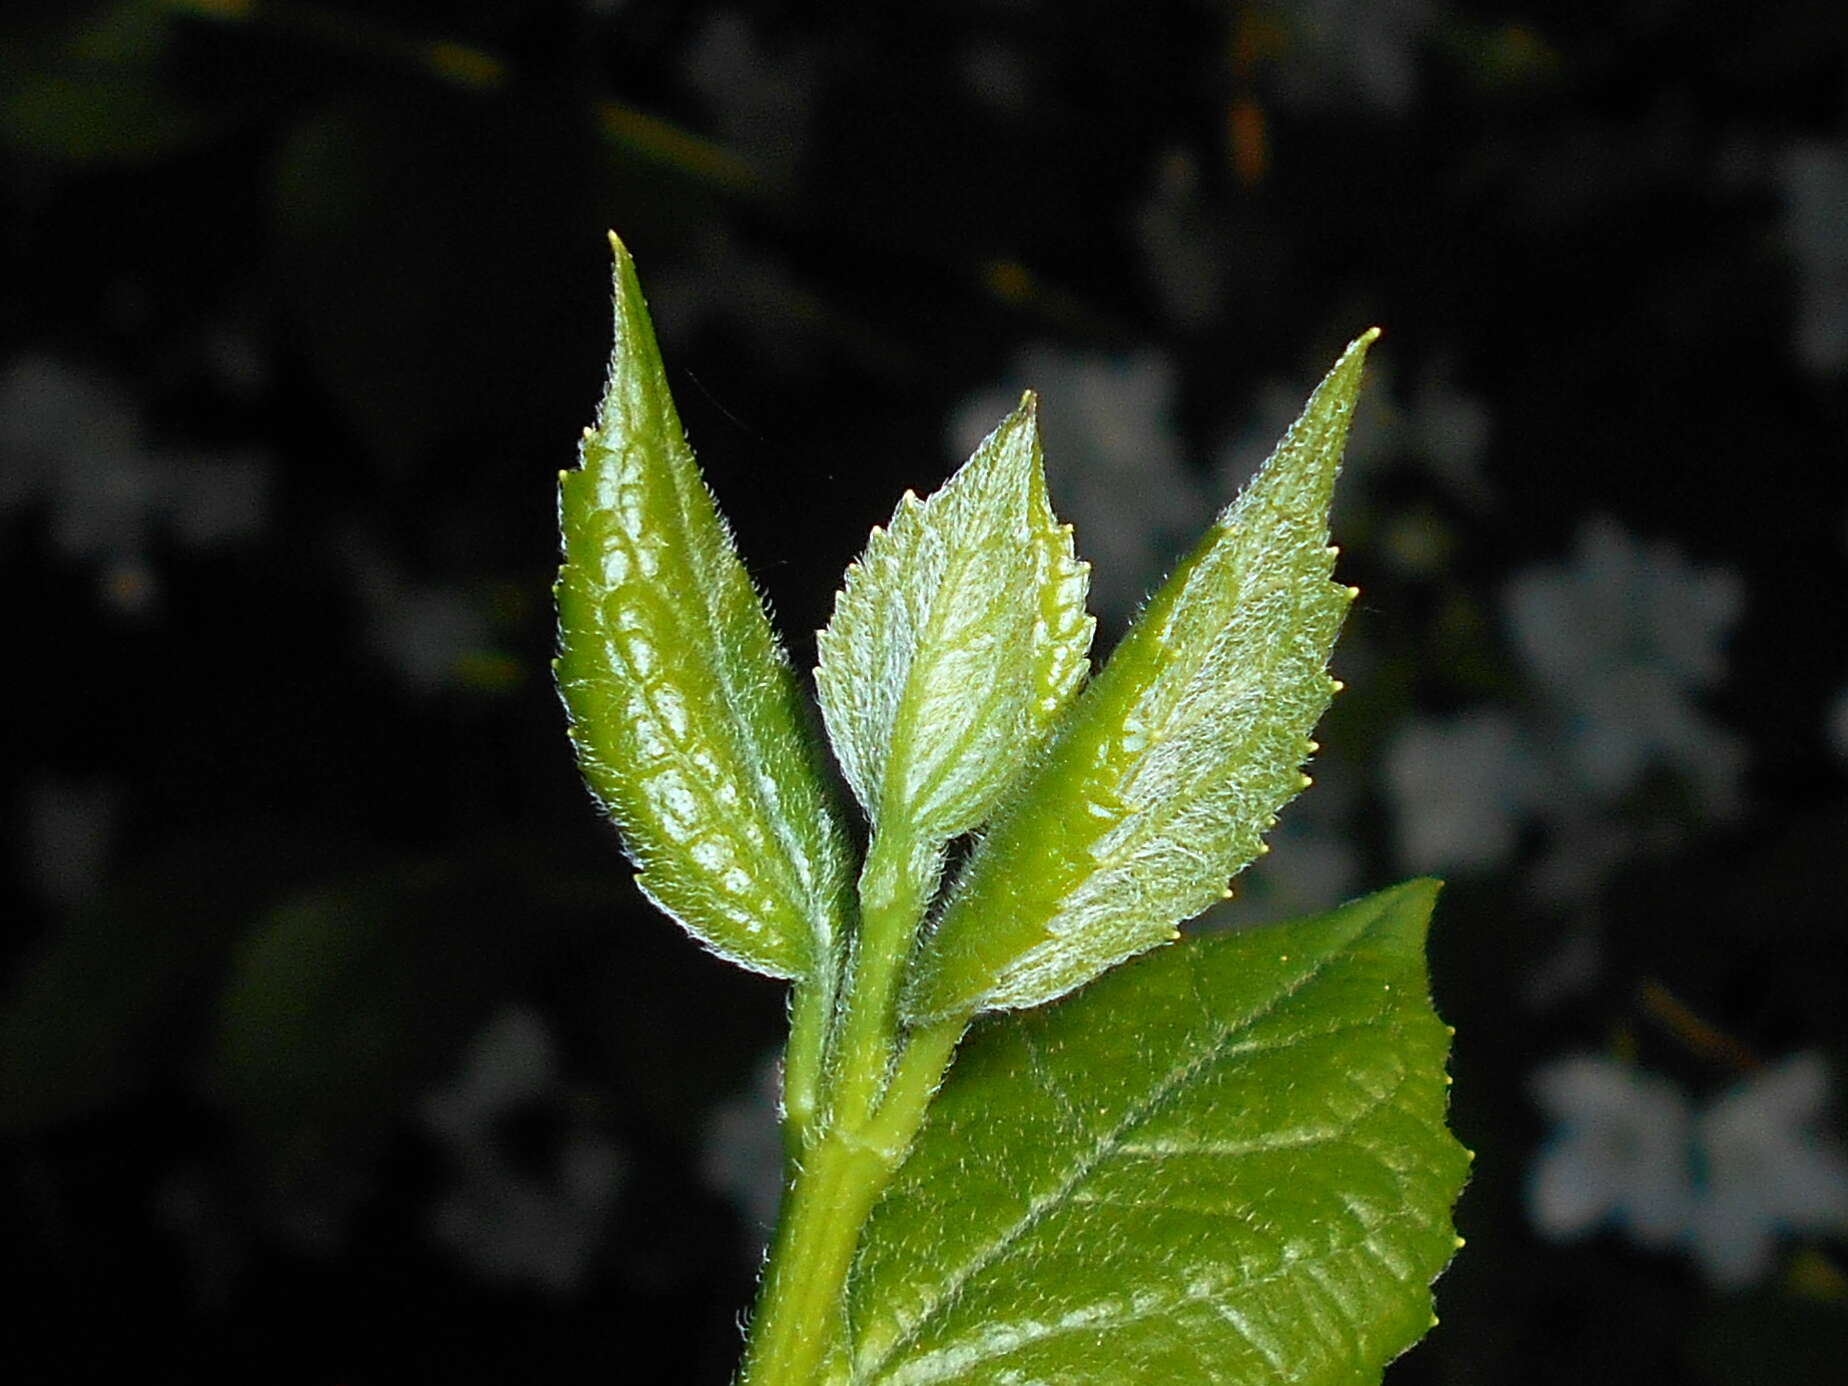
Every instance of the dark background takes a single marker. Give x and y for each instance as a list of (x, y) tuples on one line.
[(305, 306)]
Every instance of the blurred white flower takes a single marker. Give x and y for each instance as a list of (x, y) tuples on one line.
[(1185, 259), (1447, 432), (1722, 1183), (1114, 463), (1460, 789), (1619, 1153), (760, 94), (1766, 1171), (742, 1153), (1815, 184), (1621, 639), (721, 277), (509, 1220), (70, 826), (73, 441), (427, 634), (433, 636)]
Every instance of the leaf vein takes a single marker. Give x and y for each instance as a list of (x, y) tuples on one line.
[(1087, 1162), (946, 1364)]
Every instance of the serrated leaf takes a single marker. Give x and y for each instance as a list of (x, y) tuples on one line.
[(1164, 775), (955, 640), (1225, 1163), (685, 713), (1063, 627)]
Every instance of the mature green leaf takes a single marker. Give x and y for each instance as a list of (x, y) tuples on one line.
[(956, 638), (1225, 1163), (1162, 778), (685, 713)]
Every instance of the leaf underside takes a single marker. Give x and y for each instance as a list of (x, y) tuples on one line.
[(687, 719), (956, 639), (1225, 1163)]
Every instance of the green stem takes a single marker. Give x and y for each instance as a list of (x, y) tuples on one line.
[(856, 1090), (797, 1334), (811, 1017), (895, 887), (799, 1309), (914, 1082)]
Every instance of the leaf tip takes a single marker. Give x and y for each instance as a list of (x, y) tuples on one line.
[(1424, 887)]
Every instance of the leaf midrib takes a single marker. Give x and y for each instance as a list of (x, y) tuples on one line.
[(801, 885), (1150, 820), (955, 562)]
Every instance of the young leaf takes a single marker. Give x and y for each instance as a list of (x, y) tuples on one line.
[(1226, 1162), (1063, 627), (956, 639), (686, 716), (1163, 776)]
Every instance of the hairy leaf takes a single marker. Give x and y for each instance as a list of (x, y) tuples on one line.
[(1225, 1163), (956, 639), (1063, 627), (1165, 773), (686, 716)]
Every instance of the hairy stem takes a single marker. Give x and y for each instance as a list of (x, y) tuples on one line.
[(895, 888), (796, 1337), (856, 1090), (811, 1017)]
